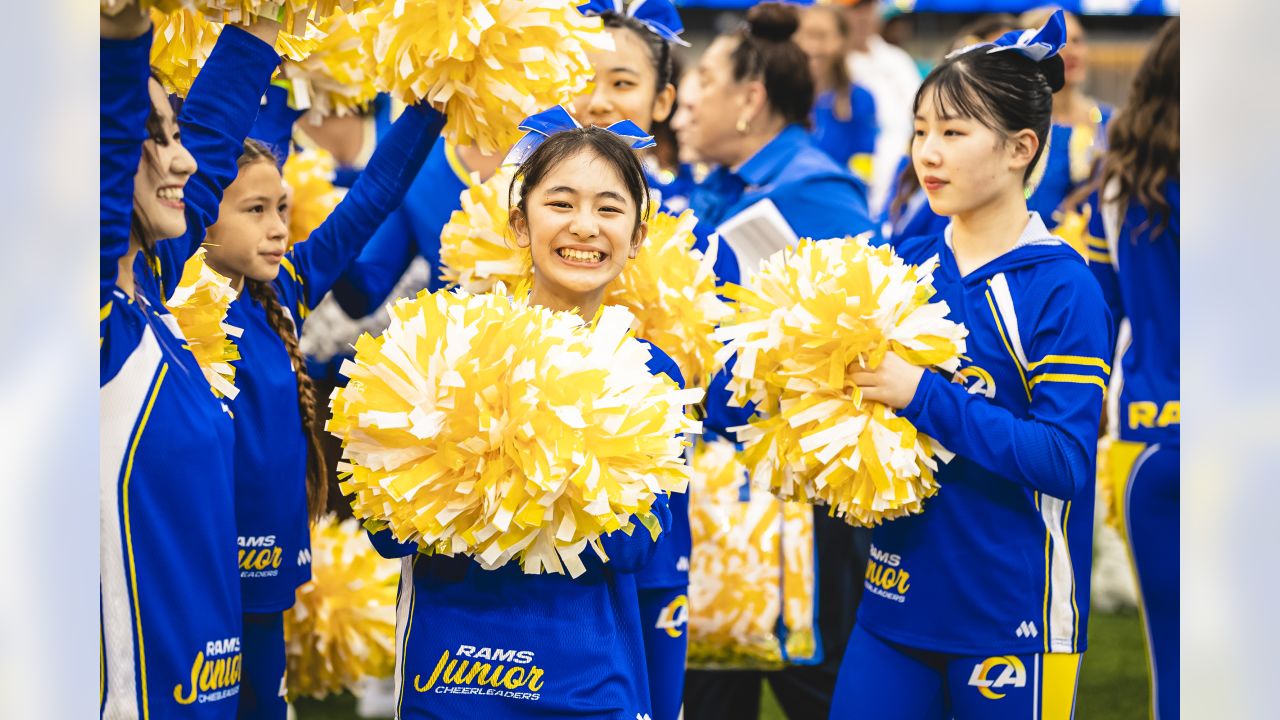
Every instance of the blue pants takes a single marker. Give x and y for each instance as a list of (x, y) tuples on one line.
[(262, 668), (665, 612), (882, 680), (1151, 521)]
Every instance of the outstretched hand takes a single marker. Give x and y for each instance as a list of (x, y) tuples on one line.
[(126, 23)]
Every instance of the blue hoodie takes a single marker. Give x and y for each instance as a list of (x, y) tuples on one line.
[(998, 561)]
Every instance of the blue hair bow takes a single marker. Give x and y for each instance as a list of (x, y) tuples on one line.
[(660, 16), (553, 120), (1038, 45)]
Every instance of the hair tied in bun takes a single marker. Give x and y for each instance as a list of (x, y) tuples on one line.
[(773, 21)]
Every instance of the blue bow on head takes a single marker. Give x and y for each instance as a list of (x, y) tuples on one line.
[(553, 120), (1038, 45), (659, 16)]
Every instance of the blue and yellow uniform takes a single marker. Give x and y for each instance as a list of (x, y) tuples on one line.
[(1069, 163), (978, 606), (850, 142), (1136, 259), (499, 643), (170, 601), (819, 199), (271, 444)]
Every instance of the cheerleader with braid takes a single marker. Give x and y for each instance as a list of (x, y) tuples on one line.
[(279, 465)]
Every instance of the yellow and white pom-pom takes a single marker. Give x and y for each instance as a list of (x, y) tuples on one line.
[(481, 425), (486, 64), (477, 248), (817, 313), (200, 305), (752, 569), (113, 7), (342, 628), (671, 289), (183, 40), (293, 15), (337, 77), (309, 174)]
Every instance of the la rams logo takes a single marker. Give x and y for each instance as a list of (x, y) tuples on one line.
[(674, 617), (988, 681), (976, 380)]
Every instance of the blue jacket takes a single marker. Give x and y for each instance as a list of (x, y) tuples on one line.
[(845, 140), (271, 442), (499, 643), (1057, 183), (998, 561), (1138, 271), (170, 601)]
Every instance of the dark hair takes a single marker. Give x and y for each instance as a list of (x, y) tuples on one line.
[(659, 48), (605, 145), (283, 325), (668, 147), (1005, 91), (1143, 146), (766, 52)]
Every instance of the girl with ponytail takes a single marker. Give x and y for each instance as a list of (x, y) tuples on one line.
[(280, 471), (978, 606)]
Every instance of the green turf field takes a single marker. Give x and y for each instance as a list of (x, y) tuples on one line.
[(1113, 685)]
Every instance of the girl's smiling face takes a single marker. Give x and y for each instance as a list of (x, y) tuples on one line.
[(580, 224)]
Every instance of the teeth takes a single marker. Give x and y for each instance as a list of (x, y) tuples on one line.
[(169, 193), (581, 255)]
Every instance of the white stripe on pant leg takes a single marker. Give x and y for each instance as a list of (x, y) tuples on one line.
[(403, 606), (1061, 577), (1146, 616)]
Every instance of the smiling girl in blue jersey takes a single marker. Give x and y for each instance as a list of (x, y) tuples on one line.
[(170, 597), (567, 647), (279, 469), (977, 607)]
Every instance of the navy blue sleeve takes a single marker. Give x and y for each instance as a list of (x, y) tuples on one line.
[(215, 119), (367, 282), (124, 104), (864, 118), (387, 546), (274, 125), (1052, 451), (313, 266), (1101, 263)]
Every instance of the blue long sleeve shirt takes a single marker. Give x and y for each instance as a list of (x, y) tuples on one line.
[(170, 600), (998, 561), (271, 442)]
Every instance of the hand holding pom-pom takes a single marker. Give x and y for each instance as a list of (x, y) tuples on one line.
[(482, 425), (342, 628), (486, 64), (824, 318)]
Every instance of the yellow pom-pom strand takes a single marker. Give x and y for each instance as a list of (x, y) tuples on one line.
[(819, 312), (671, 289), (486, 64), (752, 566), (477, 249), (183, 40), (113, 7), (337, 77), (309, 174), (293, 15), (342, 628), (482, 425), (200, 305)]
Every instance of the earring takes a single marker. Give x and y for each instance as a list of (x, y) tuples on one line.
[(743, 127)]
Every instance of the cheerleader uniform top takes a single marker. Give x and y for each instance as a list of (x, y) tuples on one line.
[(271, 444), (169, 592), (851, 143), (499, 643), (1072, 151), (1138, 270), (998, 561)]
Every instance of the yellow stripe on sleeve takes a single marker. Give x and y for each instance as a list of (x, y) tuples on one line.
[(1068, 378), (1097, 243), (1060, 674), (1071, 360), (104, 312), (1007, 346), (288, 267), (455, 162), (1101, 258)]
